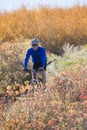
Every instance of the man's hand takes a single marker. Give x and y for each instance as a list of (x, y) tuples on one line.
[(25, 69), (41, 69)]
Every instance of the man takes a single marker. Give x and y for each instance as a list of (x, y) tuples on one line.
[(39, 59)]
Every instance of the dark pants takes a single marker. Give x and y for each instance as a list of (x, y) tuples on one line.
[(36, 66)]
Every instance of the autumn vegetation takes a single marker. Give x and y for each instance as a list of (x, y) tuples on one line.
[(53, 26), (63, 105)]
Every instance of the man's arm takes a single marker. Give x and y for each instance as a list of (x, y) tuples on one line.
[(44, 59), (27, 58)]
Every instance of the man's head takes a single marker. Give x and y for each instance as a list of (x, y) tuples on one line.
[(35, 43)]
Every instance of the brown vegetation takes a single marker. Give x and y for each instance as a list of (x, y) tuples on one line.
[(54, 27), (60, 107), (63, 106)]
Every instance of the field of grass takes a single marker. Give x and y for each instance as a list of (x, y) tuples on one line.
[(63, 106), (75, 58), (53, 26)]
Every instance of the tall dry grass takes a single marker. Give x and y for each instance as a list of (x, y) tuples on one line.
[(53, 26)]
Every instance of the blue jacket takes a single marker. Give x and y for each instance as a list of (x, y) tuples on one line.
[(38, 55)]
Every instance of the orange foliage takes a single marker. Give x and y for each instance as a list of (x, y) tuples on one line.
[(59, 107), (54, 27)]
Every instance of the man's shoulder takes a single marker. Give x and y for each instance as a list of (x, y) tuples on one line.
[(42, 48), (30, 50)]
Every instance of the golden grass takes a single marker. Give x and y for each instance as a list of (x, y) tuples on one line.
[(54, 27)]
